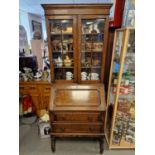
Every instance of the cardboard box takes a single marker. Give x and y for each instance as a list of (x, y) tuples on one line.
[(44, 129)]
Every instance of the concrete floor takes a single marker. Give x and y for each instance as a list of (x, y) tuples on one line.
[(32, 144)]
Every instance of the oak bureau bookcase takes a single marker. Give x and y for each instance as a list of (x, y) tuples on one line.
[(77, 42)]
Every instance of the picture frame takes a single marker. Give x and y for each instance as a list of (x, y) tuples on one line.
[(37, 27)]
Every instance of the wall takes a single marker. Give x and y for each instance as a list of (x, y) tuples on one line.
[(23, 20), (26, 18)]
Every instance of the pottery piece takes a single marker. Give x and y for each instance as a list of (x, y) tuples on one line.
[(67, 61)]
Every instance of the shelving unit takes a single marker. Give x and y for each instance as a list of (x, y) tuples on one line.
[(79, 38), (120, 115), (82, 107)]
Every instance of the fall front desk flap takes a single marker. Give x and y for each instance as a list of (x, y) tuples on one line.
[(78, 97)]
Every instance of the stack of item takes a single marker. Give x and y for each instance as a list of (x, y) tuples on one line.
[(83, 76), (69, 76), (93, 76)]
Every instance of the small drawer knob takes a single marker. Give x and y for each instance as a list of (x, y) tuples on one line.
[(90, 119), (62, 129), (63, 118), (91, 129)]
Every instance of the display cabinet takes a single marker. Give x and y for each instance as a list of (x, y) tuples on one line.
[(77, 41), (120, 115)]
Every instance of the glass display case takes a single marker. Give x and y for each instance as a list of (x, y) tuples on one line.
[(78, 43), (120, 116)]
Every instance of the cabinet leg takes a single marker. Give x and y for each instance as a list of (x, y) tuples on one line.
[(101, 145), (53, 144)]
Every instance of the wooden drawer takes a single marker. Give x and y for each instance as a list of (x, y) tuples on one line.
[(47, 89), (77, 128), (23, 90), (33, 89), (78, 116), (28, 89)]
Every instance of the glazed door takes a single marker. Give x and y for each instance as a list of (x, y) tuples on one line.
[(113, 82), (92, 48), (62, 47), (123, 132), (120, 118)]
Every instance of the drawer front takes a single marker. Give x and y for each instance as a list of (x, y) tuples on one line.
[(23, 90), (33, 89), (28, 89), (78, 116), (77, 128), (47, 89)]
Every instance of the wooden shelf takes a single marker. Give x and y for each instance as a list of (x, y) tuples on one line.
[(123, 144), (86, 67), (34, 82), (92, 33), (93, 42), (96, 66), (92, 67), (61, 33), (89, 81), (55, 67), (63, 81), (92, 51), (63, 52)]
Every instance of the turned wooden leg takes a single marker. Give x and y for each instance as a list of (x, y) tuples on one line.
[(101, 145), (53, 144)]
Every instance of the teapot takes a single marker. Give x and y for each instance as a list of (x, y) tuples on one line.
[(67, 61), (58, 62)]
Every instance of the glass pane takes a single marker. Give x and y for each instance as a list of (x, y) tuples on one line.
[(116, 66), (125, 117), (92, 48), (115, 71), (62, 48)]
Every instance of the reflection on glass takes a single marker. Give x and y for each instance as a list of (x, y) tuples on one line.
[(91, 48), (124, 129), (62, 48), (115, 70), (116, 66), (92, 26)]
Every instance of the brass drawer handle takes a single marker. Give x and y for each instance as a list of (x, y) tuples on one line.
[(63, 118), (62, 129), (90, 119), (24, 88), (91, 129), (32, 88), (100, 117)]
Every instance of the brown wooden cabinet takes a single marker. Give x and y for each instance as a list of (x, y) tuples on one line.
[(77, 110), (77, 41), (39, 92)]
